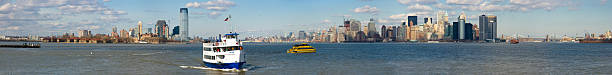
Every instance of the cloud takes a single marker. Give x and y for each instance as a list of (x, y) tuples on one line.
[(214, 14), (216, 6), (326, 21), (106, 0), (464, 2), (109, 12), (603, 2), (366, 9), (419, 7), (403, 16), (6, 7), (410, 2), (10, 28), (46, 16)]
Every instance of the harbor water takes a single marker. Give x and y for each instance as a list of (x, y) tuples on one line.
[(330, 59)]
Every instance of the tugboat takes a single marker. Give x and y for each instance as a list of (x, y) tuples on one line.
[(225, 53), (302, 48)]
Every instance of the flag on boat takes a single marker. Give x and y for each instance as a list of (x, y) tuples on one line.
[(227, 18)]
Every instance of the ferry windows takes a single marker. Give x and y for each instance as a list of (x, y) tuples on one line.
[(208, 57), (221, 56), (207, 49)]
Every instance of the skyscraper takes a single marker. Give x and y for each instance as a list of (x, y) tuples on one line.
[(139, 29), (412, 19), (184, 27), (355, 25), (372, 29), (488, 28), (114, 29), (175, 30), (160, 28), (383, 32), (461, 26), (469, 31)]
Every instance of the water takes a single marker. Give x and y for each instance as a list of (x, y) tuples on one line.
[(331, 59)]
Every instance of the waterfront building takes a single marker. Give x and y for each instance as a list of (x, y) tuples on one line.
[(371, 32), (84, 33), (184, 26), (132, 32), (455, 31), (114, 29), (441, 23), (487, 28), (149, 30), (302, 35), (161, 29), (124, 33), (412, 19), (383, 32), (461, 32), (175, 31), (469, 31), (139, 29)]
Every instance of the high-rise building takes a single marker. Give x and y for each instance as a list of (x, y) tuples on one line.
[(84, 33), (355, 25), (161, 28), (455, 31), (372, 29), (301, 35), (412, 19), (469, 31), (184, 27), (487, 28), (383, 32), (124, 33), (149, 30), (461, 25), (114, 29), (139, 29), (132, 32), (175, 30)]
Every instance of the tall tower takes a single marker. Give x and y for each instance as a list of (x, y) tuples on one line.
[(461, 26), (184, 27), (139, 29), (372, 33), (488, 28), (482, 20)]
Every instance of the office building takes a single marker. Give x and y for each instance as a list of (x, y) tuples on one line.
[(487, 28), (161, 29), (184, 26)]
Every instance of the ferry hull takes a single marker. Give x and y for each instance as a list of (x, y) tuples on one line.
[(224, 65)]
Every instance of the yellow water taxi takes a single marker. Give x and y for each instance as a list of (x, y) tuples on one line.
[(302, 48)]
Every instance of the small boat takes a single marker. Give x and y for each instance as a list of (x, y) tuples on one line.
[(302, 48), (514, 41)]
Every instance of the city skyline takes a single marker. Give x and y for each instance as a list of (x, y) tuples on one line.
[(515, 16)]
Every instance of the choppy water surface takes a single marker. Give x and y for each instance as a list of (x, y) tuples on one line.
[(331, 59)]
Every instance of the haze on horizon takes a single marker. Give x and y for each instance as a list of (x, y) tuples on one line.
[(525, 17)]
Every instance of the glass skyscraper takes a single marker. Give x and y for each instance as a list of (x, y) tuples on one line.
[(184, 27), (488, 28)]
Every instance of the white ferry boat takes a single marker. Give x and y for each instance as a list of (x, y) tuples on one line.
[(225, 53)]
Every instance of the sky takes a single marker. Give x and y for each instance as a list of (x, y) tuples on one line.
[(268, 17)]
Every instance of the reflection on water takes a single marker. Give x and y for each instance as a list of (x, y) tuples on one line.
[(330, 59)]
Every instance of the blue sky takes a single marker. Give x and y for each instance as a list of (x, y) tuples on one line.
[(256, 17)]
